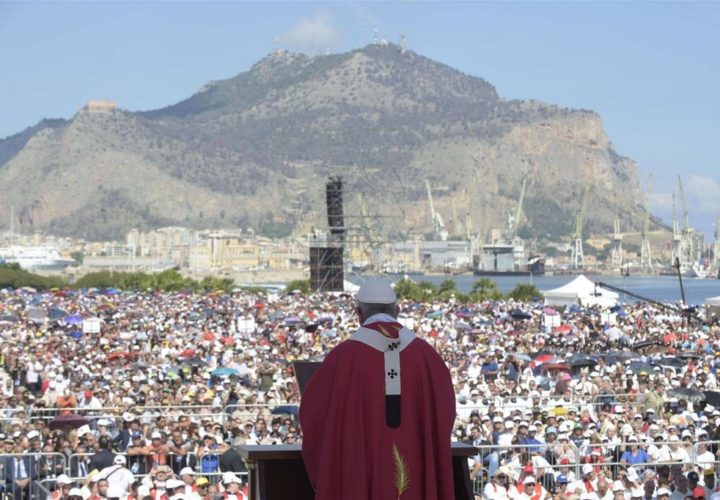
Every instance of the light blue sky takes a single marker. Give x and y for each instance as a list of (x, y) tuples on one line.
[(651, 69)]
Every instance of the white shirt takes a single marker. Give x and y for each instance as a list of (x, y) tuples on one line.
[(494, 492), (119, 480)]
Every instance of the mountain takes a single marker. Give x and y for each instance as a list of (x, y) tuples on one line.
[(254, 151)]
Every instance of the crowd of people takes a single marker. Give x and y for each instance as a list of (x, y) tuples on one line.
[(109, 394)]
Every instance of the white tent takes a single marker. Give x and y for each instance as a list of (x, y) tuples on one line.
[(712, 307), (581, 291), (713, 301)]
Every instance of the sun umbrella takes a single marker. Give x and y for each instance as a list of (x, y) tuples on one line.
[(56, 314), (550, 311), (8, 319), (187, 353), (580, 361), (195, 361), (292, 320), (644, 343), (688, 355), (671, 362), (562, 329), (692, 395), (712, 398), (37, 315), (68, 422), (434, 314), (518, 314), (118, 354), (522, 357), (638, 367), (73, 319), (544, 358), (225, 372), (615, 357), (286, 409)]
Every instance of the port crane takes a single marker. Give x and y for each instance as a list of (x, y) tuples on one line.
[(578, 257), (645, 252), (616, 249), (438, 224), (676, 255)]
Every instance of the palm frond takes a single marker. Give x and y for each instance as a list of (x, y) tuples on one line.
[(402, 475)]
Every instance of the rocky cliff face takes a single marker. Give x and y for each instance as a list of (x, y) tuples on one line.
[(254, 150)]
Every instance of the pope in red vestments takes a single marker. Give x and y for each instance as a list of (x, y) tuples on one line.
[(377, 415)]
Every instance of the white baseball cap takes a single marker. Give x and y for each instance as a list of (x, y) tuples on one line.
[(63, 479), (171, 484)]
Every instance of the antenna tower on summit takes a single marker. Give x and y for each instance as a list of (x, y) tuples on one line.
[(375, 38), (402, 43)]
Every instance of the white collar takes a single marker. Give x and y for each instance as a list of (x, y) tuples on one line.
[(380, 317)]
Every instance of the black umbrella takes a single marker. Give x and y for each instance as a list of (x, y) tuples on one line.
[(615, 357), (582, 362), (691, 395), (645, 343), (8, 319), (289, 409), (688, 355), (671, 362), (638, 367), (518, 314), (194, 361), (712, 398), (68, 422)]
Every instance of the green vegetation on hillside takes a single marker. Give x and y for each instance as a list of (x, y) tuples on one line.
[(11, 275), (254, 150)]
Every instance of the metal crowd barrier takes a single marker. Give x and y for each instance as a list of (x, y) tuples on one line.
[(35, 468), (609, 469), (45, 487)]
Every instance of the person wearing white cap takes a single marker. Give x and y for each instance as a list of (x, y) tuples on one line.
[(232, 485), (75, 494), (187, 476), (588, 482), (64, 484), (663, 493), (119, 478), (531, 489), (381, 406), (498, 487), (174, 487)]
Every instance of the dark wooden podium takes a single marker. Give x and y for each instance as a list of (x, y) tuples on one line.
[(278, 473)]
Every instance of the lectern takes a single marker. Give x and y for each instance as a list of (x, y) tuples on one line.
[(278, 472)]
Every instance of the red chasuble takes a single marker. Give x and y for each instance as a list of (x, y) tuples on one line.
[(349, 449)]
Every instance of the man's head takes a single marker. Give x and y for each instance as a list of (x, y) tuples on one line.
[(102, 486), (231, 482), (375, 296), (173, 486), (602, 486), (529, 482)]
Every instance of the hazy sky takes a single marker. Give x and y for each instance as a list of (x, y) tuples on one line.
[(652, 70)]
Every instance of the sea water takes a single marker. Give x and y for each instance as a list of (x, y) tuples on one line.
[(659, 288)]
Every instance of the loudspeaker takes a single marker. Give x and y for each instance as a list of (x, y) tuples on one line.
[(326, 269), (334, 203)]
